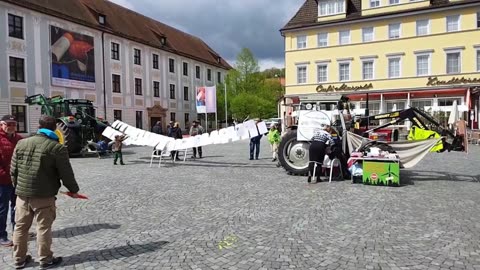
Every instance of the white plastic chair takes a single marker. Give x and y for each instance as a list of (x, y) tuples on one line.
[(185, 152), (315, 164), (161, 154), (330, 164)]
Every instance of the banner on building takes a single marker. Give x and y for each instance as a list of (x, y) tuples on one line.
[(73, 59), (206, 99)]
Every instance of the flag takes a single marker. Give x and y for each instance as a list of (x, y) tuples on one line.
[(206, 99)]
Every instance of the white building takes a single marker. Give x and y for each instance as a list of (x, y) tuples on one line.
[(132, 67)]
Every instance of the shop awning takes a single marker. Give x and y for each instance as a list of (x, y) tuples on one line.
[(413, 94)]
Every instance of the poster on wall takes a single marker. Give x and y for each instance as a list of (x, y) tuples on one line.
[(73, 59), (206, 99)]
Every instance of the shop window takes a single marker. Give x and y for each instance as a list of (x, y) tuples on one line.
[(445, 102), (393, 106), (421, 104)]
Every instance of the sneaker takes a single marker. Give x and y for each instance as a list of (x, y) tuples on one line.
[(193, 157), (5, 242), (309, 179), (251, 158), (23, 264), (114, 163), (54, 262)]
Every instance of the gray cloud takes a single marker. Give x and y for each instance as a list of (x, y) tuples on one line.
[(227, 25)]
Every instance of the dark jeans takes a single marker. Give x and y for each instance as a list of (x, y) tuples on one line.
[(316, 152), (118, 155), (199, 151), (6, 192), (254, 146)]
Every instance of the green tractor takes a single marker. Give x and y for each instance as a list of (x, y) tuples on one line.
[(77, 126)]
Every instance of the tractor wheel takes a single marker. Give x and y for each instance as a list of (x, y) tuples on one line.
[(68, 138), (293, 155)]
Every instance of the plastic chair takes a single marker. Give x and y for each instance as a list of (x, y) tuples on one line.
[(315, 164), (330, 164), (185, 153)]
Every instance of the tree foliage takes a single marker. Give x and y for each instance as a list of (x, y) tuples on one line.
[(250, 93)]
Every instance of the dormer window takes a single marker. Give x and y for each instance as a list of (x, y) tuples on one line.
[(163, 40), (102, 19), (331, 7), (219, 59)]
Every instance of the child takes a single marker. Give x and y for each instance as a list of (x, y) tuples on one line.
[(117, 148), (274, 140)]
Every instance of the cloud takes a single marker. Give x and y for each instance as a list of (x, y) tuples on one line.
[(227, 25)]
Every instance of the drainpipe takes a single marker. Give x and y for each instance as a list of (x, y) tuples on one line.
[(104, 90)]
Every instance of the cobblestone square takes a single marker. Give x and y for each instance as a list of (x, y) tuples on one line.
[(227, 212)]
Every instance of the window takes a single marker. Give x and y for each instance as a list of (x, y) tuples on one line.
[(421, 103), (344, 71), (478, 60), (367, 34), (453, 63), (172, 91), (15, 26), (209, 75), (423, 64), (367, 70), (443, 102), (185, 69), (115, 51), (102, 19), (394, 67), (422, 27), (322, 39), (187, 119), (117, 115), (138, 86), (453, 23), (19, 111), (373, 107), (17, 71), (156, 89), (374, 3), (393, 2), (478, 19), (172, 116), (344, 37), (139, 119), (137, 57), (301, 42), (393, 106), (302, 74), (185, 93), (197, 72), (155, 61), (322, 73), (219, 77), (331, 7), (171, 65), (116, 83), (394, 31)]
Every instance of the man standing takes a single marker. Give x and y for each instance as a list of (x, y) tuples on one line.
[(157, 128), (255, 142), (38, 164), (8, 140), (195, 130)]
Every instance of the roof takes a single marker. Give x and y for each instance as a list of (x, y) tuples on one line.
[(307, 15), (127, 24)]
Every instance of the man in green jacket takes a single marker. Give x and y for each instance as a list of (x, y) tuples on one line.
[(40, 164)]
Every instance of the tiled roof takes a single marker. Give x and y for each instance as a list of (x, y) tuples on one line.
[(127, 24), (307, 15)]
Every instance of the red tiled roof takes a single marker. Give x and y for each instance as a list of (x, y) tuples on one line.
[(127, 24)]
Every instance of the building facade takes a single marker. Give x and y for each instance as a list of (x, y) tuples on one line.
[(402, 53), (133, 68)]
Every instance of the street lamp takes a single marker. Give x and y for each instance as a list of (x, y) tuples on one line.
[(226, 113)]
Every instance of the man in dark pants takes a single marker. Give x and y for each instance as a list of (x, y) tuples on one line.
[(8, 141), (255, 143), (195, 130)]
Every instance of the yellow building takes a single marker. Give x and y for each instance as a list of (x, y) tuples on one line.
[(403, 53)]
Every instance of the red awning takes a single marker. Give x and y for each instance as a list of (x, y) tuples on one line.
[(413, 94)]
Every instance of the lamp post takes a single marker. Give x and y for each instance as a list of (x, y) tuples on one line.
[(226, 113)]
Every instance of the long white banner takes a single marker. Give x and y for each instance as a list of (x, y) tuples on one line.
[(141, 137)]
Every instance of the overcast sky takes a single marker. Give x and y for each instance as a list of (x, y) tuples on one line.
[(227, 25)]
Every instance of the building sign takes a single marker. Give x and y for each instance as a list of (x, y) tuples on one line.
[(73, 59), (432, 81), (331, 88)]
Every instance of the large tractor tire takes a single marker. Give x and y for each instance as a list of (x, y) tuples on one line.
[(293, 155), (68, 138)]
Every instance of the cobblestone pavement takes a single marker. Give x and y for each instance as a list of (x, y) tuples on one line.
[(227, 212)]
